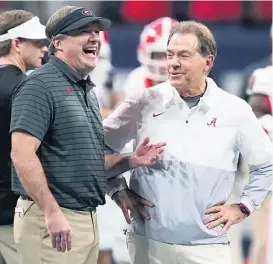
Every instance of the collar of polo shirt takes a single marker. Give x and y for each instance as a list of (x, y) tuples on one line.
[(206, 101), (74, 76)]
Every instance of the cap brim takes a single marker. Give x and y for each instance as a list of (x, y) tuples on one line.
[(37, 32), (103, 23)]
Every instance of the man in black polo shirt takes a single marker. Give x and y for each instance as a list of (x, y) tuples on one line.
[(22, 46), (58, 147)]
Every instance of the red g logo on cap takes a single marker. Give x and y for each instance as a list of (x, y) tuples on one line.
[(86, 12)]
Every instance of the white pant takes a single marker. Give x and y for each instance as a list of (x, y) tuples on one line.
[(111, 223), (145, 251)]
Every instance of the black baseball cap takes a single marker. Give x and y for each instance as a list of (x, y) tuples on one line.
[(78, 19)]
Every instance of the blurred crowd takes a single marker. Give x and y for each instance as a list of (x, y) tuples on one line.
[(246, 13)]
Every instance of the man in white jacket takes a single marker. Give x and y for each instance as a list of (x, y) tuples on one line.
[(205, 129)]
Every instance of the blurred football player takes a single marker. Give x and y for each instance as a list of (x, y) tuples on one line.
[(151, 54), (103, 77), (110, 219), (260, 92)]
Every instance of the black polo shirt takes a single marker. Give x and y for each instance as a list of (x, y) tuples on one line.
[(10, 77), (56, 106)]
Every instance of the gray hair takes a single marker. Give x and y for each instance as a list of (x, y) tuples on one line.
[(52, 22), (207, 44)]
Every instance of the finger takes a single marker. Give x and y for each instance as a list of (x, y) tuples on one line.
[(58, 241), (214, 209), (159, 151), (212, 218), (144, 214), (145, 141), (126, 215), (63, 241), (53, 240), (136, 213), (215, 223), (147, 203), (225, 228), (68, 241), (160, 145)]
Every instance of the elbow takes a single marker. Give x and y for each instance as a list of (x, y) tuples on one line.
[(16, 155)]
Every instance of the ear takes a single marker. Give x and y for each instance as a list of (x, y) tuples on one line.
[(16, 45), (209, 63), (58, 44)]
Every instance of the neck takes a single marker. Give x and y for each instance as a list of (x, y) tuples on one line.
[(193, 90), (83, 75), (12, 60)]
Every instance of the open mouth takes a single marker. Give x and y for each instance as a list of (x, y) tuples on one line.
[(90, 51)]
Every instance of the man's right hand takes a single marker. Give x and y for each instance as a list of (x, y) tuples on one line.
[(129, 200), (59, 230)]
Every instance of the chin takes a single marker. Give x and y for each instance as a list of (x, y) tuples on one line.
[(175, 82)]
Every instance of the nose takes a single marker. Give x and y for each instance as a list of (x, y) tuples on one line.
[(94, 38), (175, 62)]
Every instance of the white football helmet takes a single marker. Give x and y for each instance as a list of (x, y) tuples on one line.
[(153, 39), (105, 49), (261, 82), (103, 74)]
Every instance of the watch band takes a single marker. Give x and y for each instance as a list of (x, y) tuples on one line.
[(244, 209)]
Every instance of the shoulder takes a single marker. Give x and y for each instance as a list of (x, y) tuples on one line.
[(48, 72), (32, 86), (157, 94), (232, 104), (44, 80)]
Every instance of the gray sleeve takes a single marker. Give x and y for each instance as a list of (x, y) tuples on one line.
[(32, 108), (115, 184)]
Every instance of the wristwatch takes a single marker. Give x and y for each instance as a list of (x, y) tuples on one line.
[(244, 209)]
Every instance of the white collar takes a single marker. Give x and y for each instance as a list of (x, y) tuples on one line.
[(206, 101)]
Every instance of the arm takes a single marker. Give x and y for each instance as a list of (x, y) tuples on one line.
[(261, 106), (30, 171), (116, 164), (32, 111), (145, 155), (119, 129), (32, 115), (257, 150)]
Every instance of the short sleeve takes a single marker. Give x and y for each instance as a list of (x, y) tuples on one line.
[(32, 108)]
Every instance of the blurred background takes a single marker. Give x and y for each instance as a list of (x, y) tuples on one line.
[(242, 30)]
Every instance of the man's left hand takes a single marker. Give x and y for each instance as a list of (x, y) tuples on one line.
[(146, 153), (227, 215)]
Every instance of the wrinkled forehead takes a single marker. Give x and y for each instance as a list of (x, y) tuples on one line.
[(183, 42)]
